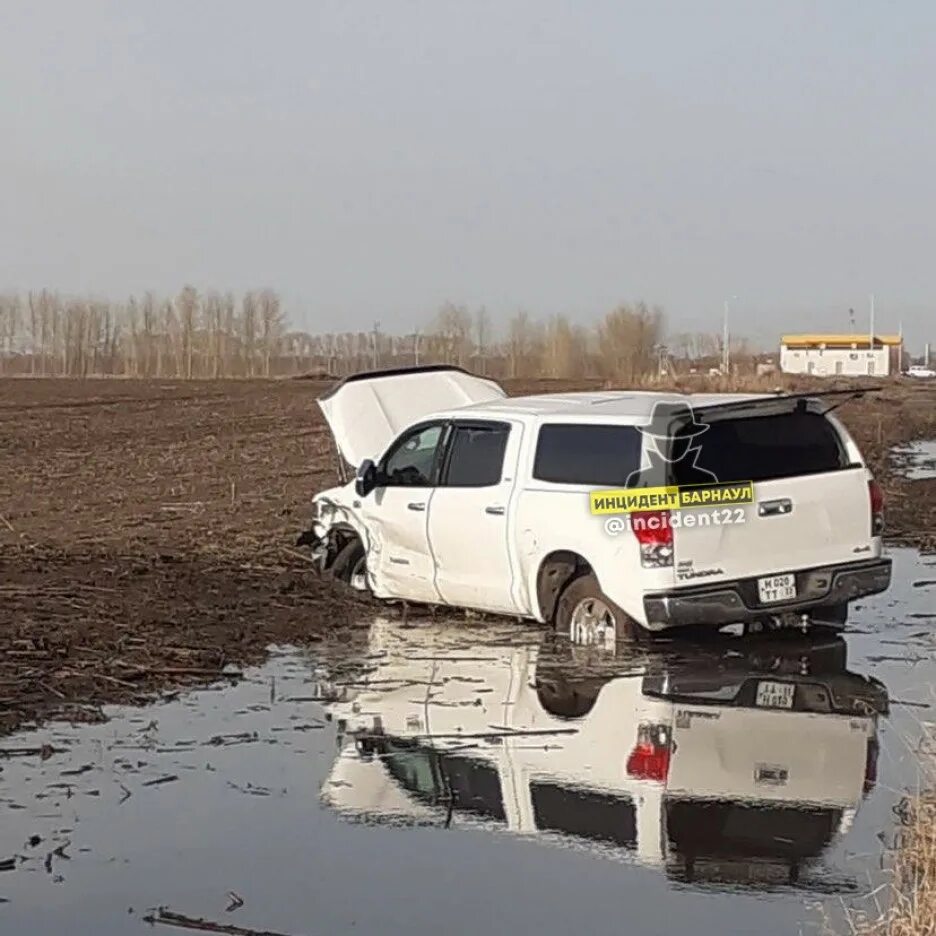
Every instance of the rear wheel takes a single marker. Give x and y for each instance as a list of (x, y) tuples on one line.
[(587, 616)]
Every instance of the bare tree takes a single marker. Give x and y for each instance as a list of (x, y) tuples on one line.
[(187, 312), (627, 339), (271, 325), (521, 338), (148, 338), (564, 349), (9, 329), (452, 330), (482, 337), (249, 325), (170, 357), (40, 329), (230, 327), (213, 316)]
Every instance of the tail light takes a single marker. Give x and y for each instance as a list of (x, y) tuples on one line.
[(871, 759), (654, 533), (877, 507), (650, 759)]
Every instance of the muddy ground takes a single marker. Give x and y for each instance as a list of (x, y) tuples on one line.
[(147, 529)]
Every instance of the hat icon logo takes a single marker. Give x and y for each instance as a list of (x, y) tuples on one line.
[(668, 441), (670, 419)]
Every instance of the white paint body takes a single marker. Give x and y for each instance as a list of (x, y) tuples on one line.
[(483, 547)]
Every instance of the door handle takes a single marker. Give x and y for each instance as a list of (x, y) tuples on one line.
[(494, 511), (416, 506), (773, 508)]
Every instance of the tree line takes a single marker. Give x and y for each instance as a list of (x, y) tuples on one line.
[(215, 334), (189, 336)]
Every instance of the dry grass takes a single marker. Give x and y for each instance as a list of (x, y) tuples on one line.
[(908, 901), (913, 909), (905, 905)]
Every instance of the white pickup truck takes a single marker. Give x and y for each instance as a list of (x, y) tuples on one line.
[(464, 497)]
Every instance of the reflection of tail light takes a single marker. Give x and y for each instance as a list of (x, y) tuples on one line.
[(877, 507), (655, 535), (650, 758), (871, 759)]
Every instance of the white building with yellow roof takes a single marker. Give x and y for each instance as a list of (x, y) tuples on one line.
[(841, 355)]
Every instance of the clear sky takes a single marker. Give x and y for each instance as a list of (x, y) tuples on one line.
[(374, 159)]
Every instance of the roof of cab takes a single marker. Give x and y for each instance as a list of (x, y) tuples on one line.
[(617, 404)]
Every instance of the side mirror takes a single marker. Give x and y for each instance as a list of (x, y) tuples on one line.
[(366, 479)]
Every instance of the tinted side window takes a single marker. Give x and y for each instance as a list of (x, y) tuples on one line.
[(476, 458), (758, 448), (598, 816), (582, 454), (412, 459), (414, 768), (475, 787)]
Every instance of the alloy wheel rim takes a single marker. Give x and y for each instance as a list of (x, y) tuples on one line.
[(358, 577), (593, 622)]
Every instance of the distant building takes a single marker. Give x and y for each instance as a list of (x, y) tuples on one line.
[(844, 355)]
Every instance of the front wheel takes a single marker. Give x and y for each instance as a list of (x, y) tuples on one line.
[(350, 565), (589, 617)]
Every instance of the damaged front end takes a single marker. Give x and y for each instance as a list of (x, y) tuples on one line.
[(318, 543), (328, 536)]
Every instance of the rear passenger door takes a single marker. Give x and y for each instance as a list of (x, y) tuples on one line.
[(470, 523)]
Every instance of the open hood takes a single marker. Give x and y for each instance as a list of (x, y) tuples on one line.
[(367, 411)]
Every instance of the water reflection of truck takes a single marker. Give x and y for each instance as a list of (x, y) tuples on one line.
[(741, 762)]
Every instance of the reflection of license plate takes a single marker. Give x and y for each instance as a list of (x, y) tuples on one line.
[(771, 774), (776, 588), (775, 694)]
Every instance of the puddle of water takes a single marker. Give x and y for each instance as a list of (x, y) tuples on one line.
[(917, 461), (487, 777)]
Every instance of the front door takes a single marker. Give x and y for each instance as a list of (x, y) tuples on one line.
[(396, 515), (469, 518)]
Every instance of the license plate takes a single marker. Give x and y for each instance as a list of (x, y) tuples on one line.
[(775, 695), (775, 588)]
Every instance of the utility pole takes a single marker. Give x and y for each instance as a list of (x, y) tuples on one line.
[(726, 360), (416, 347), (374, 356), (726, 340)]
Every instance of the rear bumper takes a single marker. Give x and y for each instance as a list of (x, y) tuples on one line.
[(731, 602), (844, 693)]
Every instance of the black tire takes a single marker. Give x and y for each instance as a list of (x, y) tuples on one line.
[(573, 606), (350, 561), (566, 699)]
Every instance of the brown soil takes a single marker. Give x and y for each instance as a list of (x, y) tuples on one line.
[(902, 413), (146, 530)]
